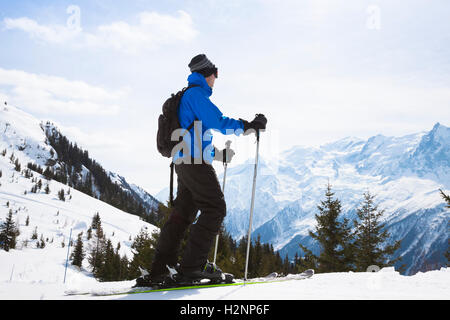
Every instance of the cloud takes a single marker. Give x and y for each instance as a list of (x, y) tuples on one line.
[(52, 34), (56, 95), (151, 31)]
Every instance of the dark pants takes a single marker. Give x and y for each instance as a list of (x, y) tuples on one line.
[(198, 189)]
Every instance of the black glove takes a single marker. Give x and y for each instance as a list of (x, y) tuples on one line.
[(259, 123), (224, 155)]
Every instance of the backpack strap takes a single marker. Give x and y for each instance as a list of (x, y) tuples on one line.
[(171, 183), (184, 90), (172, 165)]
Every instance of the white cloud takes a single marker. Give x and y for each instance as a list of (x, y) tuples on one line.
[(56, 95), (151, 31), (52, 34)]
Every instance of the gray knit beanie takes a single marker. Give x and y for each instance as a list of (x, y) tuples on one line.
[(202, 65)]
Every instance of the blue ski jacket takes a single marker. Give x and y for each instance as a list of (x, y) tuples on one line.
[(196, 106)]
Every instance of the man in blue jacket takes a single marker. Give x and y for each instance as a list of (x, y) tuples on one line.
[(198, 186)]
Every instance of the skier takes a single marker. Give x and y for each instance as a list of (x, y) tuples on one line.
[(198, 185)]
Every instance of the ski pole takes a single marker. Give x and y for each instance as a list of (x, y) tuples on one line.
[(225, 164), (67, 259), (252, 205)]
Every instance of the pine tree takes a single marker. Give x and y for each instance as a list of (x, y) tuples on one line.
[(61, 195), (97, 248), (308, 261), (105, 268), (41, 242), (370, 237), (226, 252), (8, 233), (143, 248), (96, 221), (446, 197), (333, 236), (34, 236), (78, 253), (17, 165)]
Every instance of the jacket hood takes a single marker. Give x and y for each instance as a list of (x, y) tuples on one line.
[(198, 79)]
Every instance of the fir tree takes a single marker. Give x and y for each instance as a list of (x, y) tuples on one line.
[(34, 236), (226, 253), (17, 165), (370, 237), (41, 242), (333, 235), (113, 267), (8, 233), (97, 248), (96, 221), (308, 261), (105, 268), (78, 253), (446, 197), (61, 195), (143, 248)]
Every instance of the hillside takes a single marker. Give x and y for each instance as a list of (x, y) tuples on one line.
[(36, 206)]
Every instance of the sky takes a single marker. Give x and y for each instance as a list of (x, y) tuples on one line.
[(320, 70)]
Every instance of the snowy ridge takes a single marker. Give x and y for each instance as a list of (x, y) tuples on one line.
[(24, 135), (147, 199)]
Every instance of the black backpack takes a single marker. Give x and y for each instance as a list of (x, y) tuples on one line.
[(167, 123)]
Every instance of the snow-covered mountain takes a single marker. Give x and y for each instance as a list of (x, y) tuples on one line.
[(147, 200), (24, 140), (27, 137), (405, 173)]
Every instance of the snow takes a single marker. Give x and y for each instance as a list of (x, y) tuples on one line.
[(385, 284), (29, 272)]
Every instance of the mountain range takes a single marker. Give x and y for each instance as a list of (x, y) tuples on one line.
[(404, 173)]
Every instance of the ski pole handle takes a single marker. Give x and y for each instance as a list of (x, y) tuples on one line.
[(225, 152)]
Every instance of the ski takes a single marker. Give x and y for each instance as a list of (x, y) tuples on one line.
[(202, 285)]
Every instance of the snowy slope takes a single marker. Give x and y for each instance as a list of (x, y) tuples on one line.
[(383, 285), (24, 135), (53, 219)]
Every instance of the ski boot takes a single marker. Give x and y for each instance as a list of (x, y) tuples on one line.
[(208, 272), (162, 280)]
